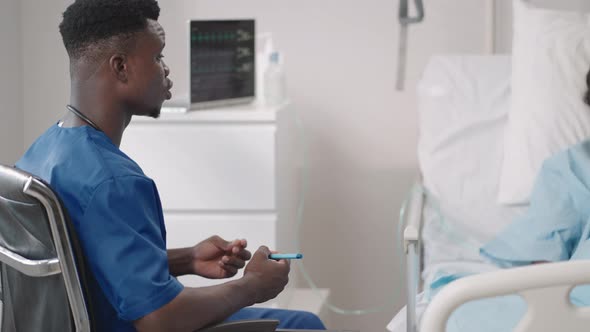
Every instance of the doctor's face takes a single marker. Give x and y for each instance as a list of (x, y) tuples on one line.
[(148, 73)]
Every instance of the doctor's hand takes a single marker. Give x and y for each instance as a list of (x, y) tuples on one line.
[(216, 258), (266, 277)]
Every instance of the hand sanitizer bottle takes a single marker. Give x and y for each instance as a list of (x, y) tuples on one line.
[(274, 82)]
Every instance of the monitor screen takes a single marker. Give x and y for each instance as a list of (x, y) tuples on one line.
[(222, 62)]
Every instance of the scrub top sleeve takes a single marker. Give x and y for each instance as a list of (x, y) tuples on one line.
[(123, 238), (550, 228)]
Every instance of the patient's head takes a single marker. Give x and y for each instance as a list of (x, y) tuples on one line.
[(116, 46)]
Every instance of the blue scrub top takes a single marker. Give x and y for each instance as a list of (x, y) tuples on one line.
[(117, 214)]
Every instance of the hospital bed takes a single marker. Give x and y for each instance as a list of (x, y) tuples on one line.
[(452, 210)]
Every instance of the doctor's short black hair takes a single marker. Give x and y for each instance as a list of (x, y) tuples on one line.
[(587, 96), (89, 25)]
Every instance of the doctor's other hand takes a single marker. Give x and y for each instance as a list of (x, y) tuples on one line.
[(266, 277), (216, 258)]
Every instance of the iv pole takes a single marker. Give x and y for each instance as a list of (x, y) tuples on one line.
[(405, 20)]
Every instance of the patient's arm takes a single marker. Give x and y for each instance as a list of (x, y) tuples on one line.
[(552, 227)]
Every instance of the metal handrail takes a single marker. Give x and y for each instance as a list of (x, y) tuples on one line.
[(412, 242)]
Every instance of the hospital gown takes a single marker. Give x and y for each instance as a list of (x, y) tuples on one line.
[(555, 228)]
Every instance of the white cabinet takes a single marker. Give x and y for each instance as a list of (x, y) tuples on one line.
[(215, 172)]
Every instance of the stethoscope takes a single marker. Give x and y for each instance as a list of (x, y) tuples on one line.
[(83, 117)]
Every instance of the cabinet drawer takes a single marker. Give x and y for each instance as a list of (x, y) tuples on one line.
[(185, 230), (207, 167)]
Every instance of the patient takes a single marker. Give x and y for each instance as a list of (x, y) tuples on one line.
[(555, 228), (117, 71), (557, 224)]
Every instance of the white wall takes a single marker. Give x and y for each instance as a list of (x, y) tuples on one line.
[(45, 74), (11, 118), (340, 62)]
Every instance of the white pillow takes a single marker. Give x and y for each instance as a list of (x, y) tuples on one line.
[(551, 57), (463, 105)]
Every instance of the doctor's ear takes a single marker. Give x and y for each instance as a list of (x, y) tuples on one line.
[(119, 67)]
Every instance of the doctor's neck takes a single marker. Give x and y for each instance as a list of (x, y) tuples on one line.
[(95, 99)]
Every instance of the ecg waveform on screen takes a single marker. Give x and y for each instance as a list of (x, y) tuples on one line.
[(222, 60)]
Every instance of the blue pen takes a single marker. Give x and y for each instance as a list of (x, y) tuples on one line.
[(285, 256)]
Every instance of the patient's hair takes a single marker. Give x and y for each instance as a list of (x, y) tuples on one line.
[(90, 27), (587, 96)]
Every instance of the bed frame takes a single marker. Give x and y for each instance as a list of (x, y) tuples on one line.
[(545, 287)]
